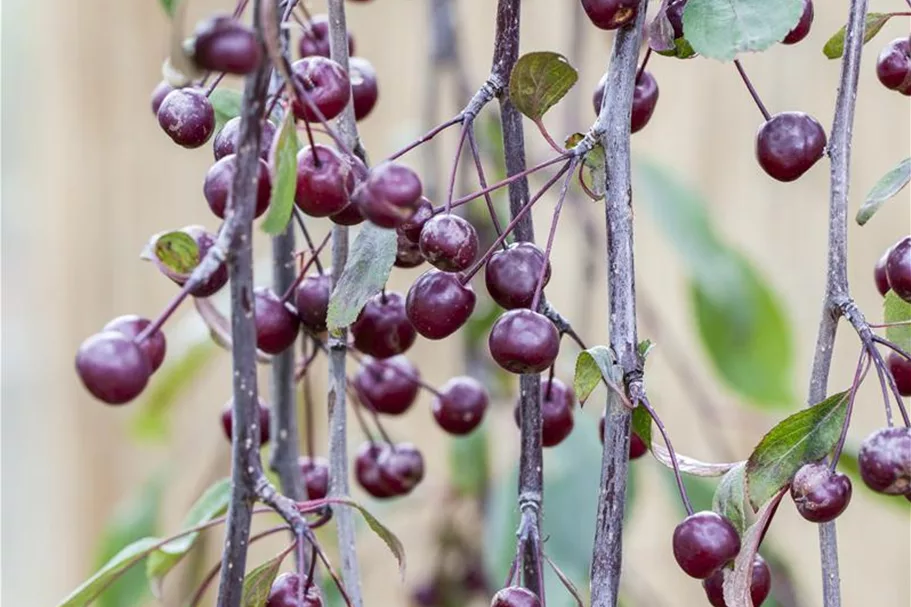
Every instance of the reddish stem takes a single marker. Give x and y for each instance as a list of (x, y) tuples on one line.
[(644, 402), (553, 232), (482, 181), (753, 93), (426, 137)]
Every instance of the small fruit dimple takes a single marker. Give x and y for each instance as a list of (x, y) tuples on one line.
[(819, 494)]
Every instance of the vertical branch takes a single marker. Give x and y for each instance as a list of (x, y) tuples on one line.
[(613, 129), (837, 297), (338, 422), (245, 438)]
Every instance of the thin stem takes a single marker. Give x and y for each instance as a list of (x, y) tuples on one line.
[(886, 325), (166, 313), (482, 181), (426, 137), (887, 403), (892, 346), (552, 235), (753, 93), (214, 84), (546, 134), (644, 402), (302, 224), (307, 397), (648, 55), (880, 362), (289, 292), (863, 365), (466, 126)]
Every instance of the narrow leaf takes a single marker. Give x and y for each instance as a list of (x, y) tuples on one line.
[(212, 503), (730, 498), (392, 541), (167, 6), (567, 583), (804, 437), (120, 562), (367, 270), (874, 22), (538, 81), (283, 162), (642, 424), (895, 310), (592, 366), (177, 251), (691, 465), (226, 103), (737, 582), (721, 29), (888, 186), (258, 582), (469, 463)]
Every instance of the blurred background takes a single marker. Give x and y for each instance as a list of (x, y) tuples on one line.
[(88, 176)]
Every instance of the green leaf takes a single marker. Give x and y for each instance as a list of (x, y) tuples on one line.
[(591, 366), (642, 425), (283, 159), (135, 519), (469, 463), (177, 251), (391, 540), (730, 498), (806, 436), (168, 6), (888, 186), (835, 47), (258, 582), (895, 309), (594, 167), (227, 104), (152, 422), (120, 562), (720, 29), (367, 270), (212, 503), (737, 581), (645, 348), (538, 81)]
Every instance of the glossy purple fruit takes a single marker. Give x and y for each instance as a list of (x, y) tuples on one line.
[(760, 584), (460, 405), (323, 188), (800, 31), (367, 469), (326, 84), (227, 422), (401, 468), (610, 14), (819, 494), (382, 329), (557, 400), (364, 88), (161, 90), (893, 66), (225, 142), (315, 476), (349, 216), (703, 543), (898, 268), (885, 461), (220, 182), (449, 243), (515, 596), (900, 367), (154, 346), (315, 38), (523, 341), (879, 274), (187, 117), (390, 195), (413, 226), (387, 386), (788, 144), (512, 275), (223, 44), (438, 304), (285, 589), (645, 97), (407, 252), (112, 367), (276, 325), (312, 300)]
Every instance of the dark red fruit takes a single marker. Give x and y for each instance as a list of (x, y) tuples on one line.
[(523, 341), (645, 97), (227, 422), (820, 494), (276, 325), (413, 226), (637, 446), (220, 181), (703, 543), (760, 584), (315, 39), (898, 268), (893, 67), (512, 275), (225, 142), (460, 405), (223, 44), (885, 461), (161, 90), (610, 14), (204, 240), (112, 367), (515, 596), (364, 89), (315, 475), (367, 469), (187, 117), (312, 300), (325, 83), (900, 367), (879, 274), (438, 304), (449, 243), (285, 589), (401, 468), (557, 422), (387, 386), (407, 252), (382, 329), (349, 216), (800, 31), (154, 346), (323, 188), (788, 144), (427, 595), (390, 195)]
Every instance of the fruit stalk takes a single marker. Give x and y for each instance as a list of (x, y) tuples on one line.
[(245, 439), (613, 130), (837, 295), (338, 444)]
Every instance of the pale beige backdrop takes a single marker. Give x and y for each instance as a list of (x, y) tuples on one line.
[(88, 175)]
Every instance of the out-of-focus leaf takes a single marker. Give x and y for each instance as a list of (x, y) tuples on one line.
[(227, 104), (90, 589), (168, 6), (721, 29), (469, 463), (737, 582), (888, 186), (895, 310), (538, 81), (835, 47), (283, 164)]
